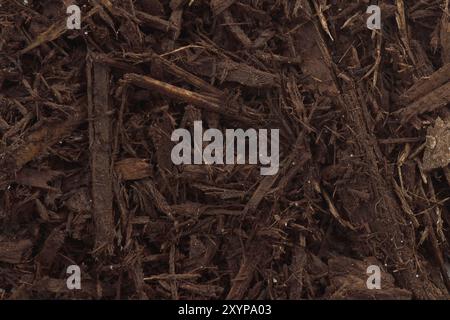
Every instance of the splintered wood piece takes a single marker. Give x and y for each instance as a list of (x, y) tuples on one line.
[(241, 73), (187, 76), (426, 85), (157, 198), (115, 63), (218, 6), (15, 252), (153, 21), (317, 62), (160, 135), (437, 150), (176, 20), (434, 100), (100, 138), (173, 91), (42, 138), (236, 30), (133, 169), (334, 211), (209, 103), (249, 262)]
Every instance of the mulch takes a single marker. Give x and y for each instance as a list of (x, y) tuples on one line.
[(86, 176)]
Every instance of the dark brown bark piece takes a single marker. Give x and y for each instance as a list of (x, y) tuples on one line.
[(15, 252), (133, 169), (100, 137), (437, 151)]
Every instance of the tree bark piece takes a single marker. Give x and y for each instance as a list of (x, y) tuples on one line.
[(100, 138)]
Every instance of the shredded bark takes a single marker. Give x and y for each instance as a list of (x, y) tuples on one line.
[(87, 177)]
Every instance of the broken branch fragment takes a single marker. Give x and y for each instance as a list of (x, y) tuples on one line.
[(210, 103), (426, 85), (434, 100), (38, 141), (100, 137), (242, 73), (133, 169), (153, 21), (15, 252), (437, 151)]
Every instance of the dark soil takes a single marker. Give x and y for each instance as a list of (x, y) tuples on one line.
[(86, 176)]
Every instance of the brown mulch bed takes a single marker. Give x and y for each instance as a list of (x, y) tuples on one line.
[(86, 176)]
